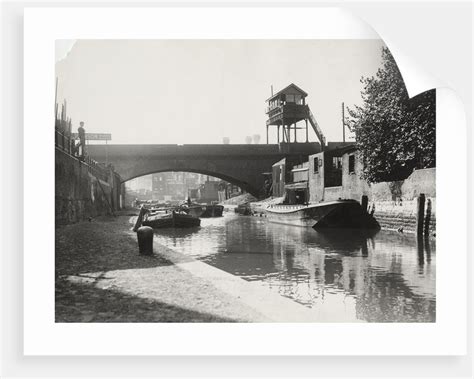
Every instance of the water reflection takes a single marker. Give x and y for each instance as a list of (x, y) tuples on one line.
[(344, 275)]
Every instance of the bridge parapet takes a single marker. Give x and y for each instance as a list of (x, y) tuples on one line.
[(98, 151), (241, 164)]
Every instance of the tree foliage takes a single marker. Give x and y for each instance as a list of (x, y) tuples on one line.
[(394, 134)]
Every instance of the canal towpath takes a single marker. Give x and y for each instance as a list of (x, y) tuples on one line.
[(100, 277)]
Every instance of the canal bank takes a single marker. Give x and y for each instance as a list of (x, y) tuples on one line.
[(101, 278)]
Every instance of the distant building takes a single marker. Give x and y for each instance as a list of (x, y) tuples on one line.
[(159, 186), (142, 182), (174, 185)]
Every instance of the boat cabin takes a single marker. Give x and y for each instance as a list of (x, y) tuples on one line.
[(297, 192), (282, 174), (325, 173)]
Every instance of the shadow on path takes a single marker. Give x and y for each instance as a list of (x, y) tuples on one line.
[(86, 303)]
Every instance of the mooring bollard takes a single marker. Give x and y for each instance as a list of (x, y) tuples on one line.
[(145, 240)]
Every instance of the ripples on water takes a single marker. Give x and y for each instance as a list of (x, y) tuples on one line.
[(344, 275)]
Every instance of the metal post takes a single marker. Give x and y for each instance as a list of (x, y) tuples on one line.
[(428, 217), (364, 203), (267, 134), (306, 121), (420, 214)]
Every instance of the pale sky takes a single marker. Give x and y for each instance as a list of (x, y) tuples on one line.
[(199, 91)]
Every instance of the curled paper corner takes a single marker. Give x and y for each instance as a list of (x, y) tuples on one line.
[(417, 78), (62, 48)]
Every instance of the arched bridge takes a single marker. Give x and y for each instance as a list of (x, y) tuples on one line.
[(242, 165)]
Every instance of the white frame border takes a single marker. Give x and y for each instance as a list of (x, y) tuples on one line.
[(43, 337)]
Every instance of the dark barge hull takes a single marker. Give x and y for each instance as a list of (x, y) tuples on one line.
[(196, 210), (171, 220), (213, 210), (332, 214)]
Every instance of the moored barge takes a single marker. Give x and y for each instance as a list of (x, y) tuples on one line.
[(170, 219), (331, 214), (212, 210)]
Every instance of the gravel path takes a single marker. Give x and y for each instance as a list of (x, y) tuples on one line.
[(101, 278)]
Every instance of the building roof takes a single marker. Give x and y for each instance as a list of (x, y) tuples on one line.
[(280, 162), (340, 151), (286, 89)]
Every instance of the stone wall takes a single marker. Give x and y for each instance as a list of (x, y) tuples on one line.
[(82, 191), (332, 193), (395, 203)]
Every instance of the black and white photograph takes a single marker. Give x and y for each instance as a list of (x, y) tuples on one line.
[(237, 189), (242, 180)]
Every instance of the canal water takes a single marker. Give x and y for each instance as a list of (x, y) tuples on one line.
[(344, 276)]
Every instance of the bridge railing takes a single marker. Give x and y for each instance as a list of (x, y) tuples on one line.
[(64, 142)]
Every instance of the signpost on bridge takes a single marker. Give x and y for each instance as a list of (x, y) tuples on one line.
[(95, 136)]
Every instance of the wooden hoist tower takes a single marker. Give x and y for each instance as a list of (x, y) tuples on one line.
[(285, 109)]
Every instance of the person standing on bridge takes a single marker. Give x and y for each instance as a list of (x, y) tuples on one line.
[(81, 146)]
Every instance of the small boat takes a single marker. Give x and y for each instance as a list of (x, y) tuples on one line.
[(170, 219), (212, 210), (193, 209), (332, 214), (243, 209)]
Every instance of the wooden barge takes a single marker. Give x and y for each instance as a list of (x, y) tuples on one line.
[(332, 214)]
